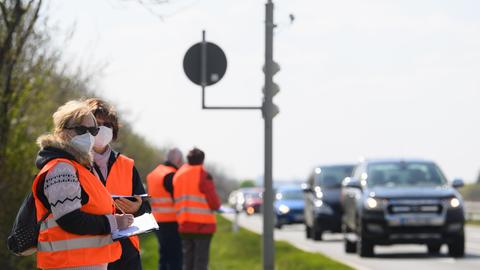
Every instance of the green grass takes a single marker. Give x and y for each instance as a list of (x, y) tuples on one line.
[(242, 250), (149, 253), (474, 222)]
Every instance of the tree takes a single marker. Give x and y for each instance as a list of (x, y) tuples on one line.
[(33, 84), (247, 183)]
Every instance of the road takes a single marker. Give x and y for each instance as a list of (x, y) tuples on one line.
[(397, 257)]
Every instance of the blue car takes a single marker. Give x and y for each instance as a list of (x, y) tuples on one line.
[(289, 204)]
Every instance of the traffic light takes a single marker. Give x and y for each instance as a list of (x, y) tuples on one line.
[(271, 109)]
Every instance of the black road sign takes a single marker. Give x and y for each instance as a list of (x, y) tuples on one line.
[(216, 63)]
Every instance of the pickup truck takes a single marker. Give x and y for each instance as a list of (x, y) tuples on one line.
[(400, 201)]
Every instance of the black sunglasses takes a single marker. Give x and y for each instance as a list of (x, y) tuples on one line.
[(83, 129)]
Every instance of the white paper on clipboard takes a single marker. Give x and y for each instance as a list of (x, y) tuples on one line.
[(141, 224)]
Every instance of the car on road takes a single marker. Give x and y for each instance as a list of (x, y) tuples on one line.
[(402, 201), (322, 199), (247, 199), (288, 205)]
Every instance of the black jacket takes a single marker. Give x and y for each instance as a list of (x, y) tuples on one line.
[(76, 222)]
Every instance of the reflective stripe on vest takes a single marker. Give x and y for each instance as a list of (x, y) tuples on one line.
[(120, 182), (62, 245), (194, 210), (48, 224), (190, 203), (58, 248), (191, 198), (163, 208)]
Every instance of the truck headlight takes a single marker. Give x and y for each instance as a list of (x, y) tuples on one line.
[(373, 203), (454, 202), (283, 209)]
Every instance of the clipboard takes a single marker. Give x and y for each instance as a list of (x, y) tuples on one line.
[(144, 197), (142, 224)]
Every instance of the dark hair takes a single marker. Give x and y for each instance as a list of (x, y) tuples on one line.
[(195, 157), (104, 111)]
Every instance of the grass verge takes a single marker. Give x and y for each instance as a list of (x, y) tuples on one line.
[(474, 222), (242, 250)]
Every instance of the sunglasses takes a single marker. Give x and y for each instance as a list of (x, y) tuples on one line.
[(83, 129)]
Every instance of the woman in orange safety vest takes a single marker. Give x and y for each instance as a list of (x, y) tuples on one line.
[(119, 175), (77, 232)]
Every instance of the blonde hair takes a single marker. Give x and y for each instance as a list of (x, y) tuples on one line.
[(70, 114)]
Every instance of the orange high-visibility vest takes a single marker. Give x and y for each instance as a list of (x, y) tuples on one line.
[(120, 182), (190, 203), (57, 248), (163, 208)]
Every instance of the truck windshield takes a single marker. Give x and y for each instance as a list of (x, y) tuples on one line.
[(391, 174), (332, 177)]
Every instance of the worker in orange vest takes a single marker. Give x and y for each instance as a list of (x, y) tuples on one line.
[(160, 187), (119, 175), (195, 202), (81, 214)]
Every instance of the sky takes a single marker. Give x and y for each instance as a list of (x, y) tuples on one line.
[(372, 78)]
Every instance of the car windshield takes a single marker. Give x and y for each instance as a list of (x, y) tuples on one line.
[(392, 174), (290, 195), (253, 195), (332, 177)]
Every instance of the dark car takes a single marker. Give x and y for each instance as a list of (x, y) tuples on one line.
[(288, 205), (402, 202), (322, 200)]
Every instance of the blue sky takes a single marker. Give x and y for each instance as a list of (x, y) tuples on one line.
[(359, 78)]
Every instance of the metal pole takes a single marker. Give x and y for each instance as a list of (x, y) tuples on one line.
[(203, 67), (268, 218)]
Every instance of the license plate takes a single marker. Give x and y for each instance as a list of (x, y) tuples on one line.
[(415, 221)]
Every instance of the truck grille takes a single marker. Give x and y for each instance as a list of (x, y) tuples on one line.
[(414, 207)]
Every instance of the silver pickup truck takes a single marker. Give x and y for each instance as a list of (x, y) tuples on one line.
[(389, 202)]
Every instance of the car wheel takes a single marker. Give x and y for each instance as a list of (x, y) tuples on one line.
[(308, 231), (349, 246), (364, 248), (278, 225), (457, 247), (316, 232), (434, 249)]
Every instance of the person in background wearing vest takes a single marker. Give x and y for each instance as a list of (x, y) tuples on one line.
[(195, 202), (160, 187), (119, 175), (77, 233)]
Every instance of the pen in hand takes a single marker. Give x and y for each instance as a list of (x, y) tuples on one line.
[(123, 220)]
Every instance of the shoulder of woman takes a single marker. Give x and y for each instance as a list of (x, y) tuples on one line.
[(62, 168)]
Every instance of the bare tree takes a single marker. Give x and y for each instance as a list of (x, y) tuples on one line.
[(16, 28)]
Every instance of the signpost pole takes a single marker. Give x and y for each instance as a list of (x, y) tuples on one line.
[(203, 68), (268, 114)]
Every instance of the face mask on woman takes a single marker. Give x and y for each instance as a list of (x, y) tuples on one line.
[(103, 137), (83, 142)]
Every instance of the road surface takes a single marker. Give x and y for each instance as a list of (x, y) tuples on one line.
[(397, 257)]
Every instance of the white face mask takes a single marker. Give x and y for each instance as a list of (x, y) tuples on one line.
[(83, 142), (103, 137)]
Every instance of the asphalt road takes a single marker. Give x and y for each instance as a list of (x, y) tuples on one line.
[(401, 257)]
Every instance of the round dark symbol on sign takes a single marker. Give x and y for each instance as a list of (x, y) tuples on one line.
[(216, 65)]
